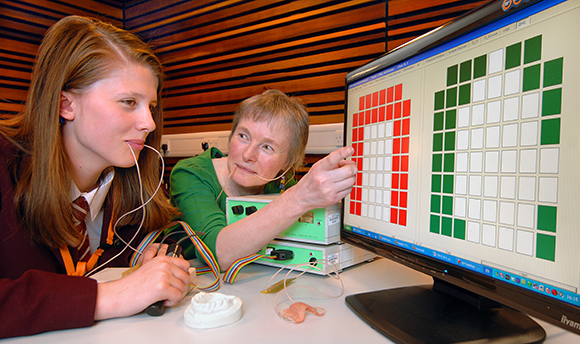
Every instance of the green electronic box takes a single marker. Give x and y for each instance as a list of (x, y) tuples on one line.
[(319, 226)]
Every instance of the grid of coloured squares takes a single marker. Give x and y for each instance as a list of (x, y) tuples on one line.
[(496, 151), (380, 137)]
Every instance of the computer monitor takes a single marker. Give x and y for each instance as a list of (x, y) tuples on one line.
[(467, 142)]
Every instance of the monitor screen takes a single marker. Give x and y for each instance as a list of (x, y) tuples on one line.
[(467, 146)]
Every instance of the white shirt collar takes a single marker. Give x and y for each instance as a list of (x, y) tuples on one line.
[(95, 197)]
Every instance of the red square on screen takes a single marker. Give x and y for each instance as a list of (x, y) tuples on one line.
[(394, 215), (358, 194), (403, 202), (405, 145), (375, 115), (389, 112), (368, 101), (406, 123), (352, 208), (361, 133), (368, 117), (397, 113), (355, 120), (361, 118), (359, 149), (359, 178), (397, 146), (359, 164), (361, 103), (382, 95), (394, 198), (404, 181), (355, 134), (382, 114), (376, 99), (353, 194), (358, 207), (407, 108), (355, 147), (396, 128), (404, 163), (395, 181), (396, 163), (390, 91), (402, 217), (398, 92)]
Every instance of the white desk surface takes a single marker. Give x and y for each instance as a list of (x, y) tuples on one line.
[(260, 324)]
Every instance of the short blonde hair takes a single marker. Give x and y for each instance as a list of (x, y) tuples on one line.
[(275, 107)]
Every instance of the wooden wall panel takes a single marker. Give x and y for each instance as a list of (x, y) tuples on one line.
[(218, 53), (23, 23)]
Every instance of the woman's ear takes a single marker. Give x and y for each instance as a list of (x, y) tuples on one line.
[(66, 106)]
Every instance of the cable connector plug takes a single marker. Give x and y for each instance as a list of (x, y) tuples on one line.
[(282, 254)]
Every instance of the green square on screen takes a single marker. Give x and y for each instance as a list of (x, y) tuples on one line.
[(531, 78), (459, 229), (437, 142), (465, 71), (547, 216), (479, 66), (449, 163), (436, 204), (550, 132), (437, 162), (448, 183), (553, 71), (533, 49), (449, 140), (450, 119), (513, 56), (447, 205), (451, 97), (438, 121), (436, 183), (434, 227), (446, 226), (452, 75), (464, 94), (552, 102), (439, 100), (546, 247)]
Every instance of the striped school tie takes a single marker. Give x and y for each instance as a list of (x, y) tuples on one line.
[(80, 210)]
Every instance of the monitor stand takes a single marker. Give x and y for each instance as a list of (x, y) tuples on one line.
[(429, 314)]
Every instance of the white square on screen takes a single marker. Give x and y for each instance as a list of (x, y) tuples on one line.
[(367, 133), (477, 114), (477, 138), (373, 147), (509, 161), (387, 181), (526, 215), (494, 87), (493, 112), (381, 130), (530, 105), (366, 148), (478, 90), (507, 213), (389, 129), (474, 209), (492, 162), (492, 135), (374, 132), (366, 164), (549, 160), (496, 61), (389, 146), (460, 206), (489, 211), (507, 187), (462, 139), (476, 163), (475, 185), (527, 189), (388, 164), (511, 109), (529, 133), (490, 186), (510, 135), (461, 161), (473, 231), (506, 238), (525, 242), (488, 235), (463, 117), (461, 184), (548, 190), (512, 82), (528, 160), (364, 211), (365, 194)]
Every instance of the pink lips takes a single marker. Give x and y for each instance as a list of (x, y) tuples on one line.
[(242, 168), (136, 144)]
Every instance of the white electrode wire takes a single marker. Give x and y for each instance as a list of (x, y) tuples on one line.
[(143, 204), (273, 179), (310, 266)]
